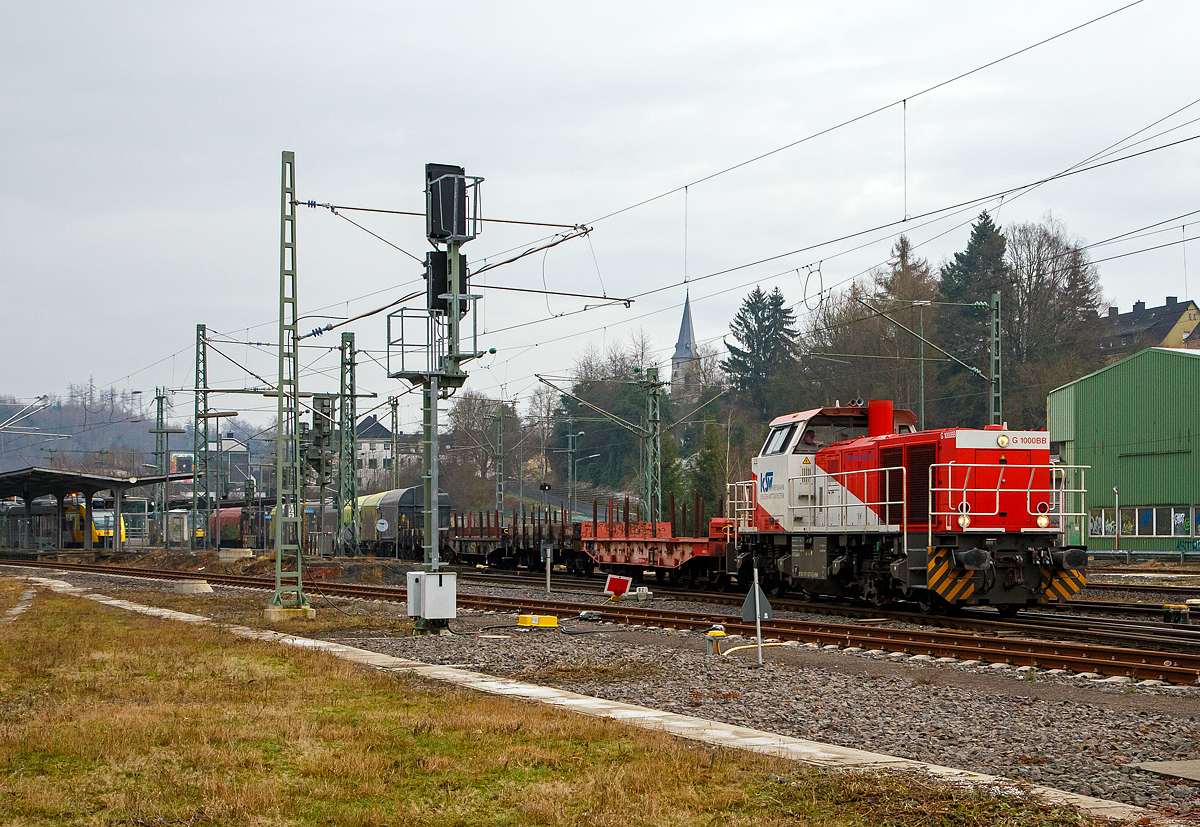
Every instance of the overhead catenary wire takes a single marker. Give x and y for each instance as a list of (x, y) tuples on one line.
[(422, 215), (930, 214), (905, 99), (1143, 250), (866, 115), (902, 101), (850, 322), (334, 210), (791, 144), (858, 234), (1029, 188)]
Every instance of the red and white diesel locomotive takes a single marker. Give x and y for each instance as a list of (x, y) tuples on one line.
[(853, 501)]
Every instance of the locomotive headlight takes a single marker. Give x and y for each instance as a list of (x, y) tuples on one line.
[(1043, 521), (1002, 440), (964, 521)]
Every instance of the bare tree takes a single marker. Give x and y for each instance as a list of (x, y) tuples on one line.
[(1051, 323), (539, 418), (708, 366)]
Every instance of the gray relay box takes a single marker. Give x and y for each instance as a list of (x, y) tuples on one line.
[(433, 595)]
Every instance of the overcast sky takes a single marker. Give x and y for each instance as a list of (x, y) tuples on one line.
[(139, 178)]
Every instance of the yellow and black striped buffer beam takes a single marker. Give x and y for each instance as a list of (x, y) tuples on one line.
[(953, 584), (1065, 584)]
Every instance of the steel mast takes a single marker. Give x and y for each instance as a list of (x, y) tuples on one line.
[(347, 467), (201, 463), (289, 599)]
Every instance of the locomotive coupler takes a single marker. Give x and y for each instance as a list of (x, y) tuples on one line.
[(974, 560), (1070, 558)]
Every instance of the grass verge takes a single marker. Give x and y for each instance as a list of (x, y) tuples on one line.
[(10, 592), (113, 718)]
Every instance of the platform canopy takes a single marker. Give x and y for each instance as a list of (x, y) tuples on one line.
[(37, 482)]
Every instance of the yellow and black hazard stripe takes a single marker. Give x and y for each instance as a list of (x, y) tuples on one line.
[(1064, 584), (955, 585)]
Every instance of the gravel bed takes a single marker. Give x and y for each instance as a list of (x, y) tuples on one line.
[(1065, 731), (1048, 727)]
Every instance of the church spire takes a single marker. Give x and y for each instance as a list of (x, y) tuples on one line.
[(684, 373), (685, 348)]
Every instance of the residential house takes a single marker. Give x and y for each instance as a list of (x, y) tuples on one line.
[(1143, 327), (373, 452)]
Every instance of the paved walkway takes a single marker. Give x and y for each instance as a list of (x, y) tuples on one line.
[(684, 726), (22, 604)]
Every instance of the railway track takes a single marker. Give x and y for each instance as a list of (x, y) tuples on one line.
[(1045, 621), (1013, 647), (1175, 593), (532, 579)]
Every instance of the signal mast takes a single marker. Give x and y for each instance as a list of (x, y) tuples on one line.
[(428, 344)]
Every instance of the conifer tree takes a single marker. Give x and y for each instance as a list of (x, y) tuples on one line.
[(764, 327), (973, 276), (706, 474)]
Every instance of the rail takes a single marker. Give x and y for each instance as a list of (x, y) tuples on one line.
[(1056, 501)]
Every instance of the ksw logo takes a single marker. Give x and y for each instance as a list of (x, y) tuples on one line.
[(765, 482)]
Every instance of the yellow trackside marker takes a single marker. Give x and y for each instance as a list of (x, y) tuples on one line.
[(542, 621)]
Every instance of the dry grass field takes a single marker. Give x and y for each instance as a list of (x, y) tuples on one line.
[(114, 718), (10, 593)]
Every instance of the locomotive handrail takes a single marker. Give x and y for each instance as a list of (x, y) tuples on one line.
[(869, 507), (740, 506), (1054, 496), (996, 491)]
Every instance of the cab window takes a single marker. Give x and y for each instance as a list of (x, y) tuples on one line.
[(778, 439), (827, 430)]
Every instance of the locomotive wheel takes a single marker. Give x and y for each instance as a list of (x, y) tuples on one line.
[(930, 603)]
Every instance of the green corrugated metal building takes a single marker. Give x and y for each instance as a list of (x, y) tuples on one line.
[(1136, 422)]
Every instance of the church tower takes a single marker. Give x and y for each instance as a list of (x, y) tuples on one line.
[(685, 379)]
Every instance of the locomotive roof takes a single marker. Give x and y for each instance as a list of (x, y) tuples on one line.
[(900, 416)]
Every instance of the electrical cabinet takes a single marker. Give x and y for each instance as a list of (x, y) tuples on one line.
[(433, 595)]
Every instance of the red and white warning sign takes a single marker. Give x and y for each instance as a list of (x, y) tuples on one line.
[(617, 585)]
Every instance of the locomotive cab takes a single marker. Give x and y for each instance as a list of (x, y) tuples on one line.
[(787, 468)]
